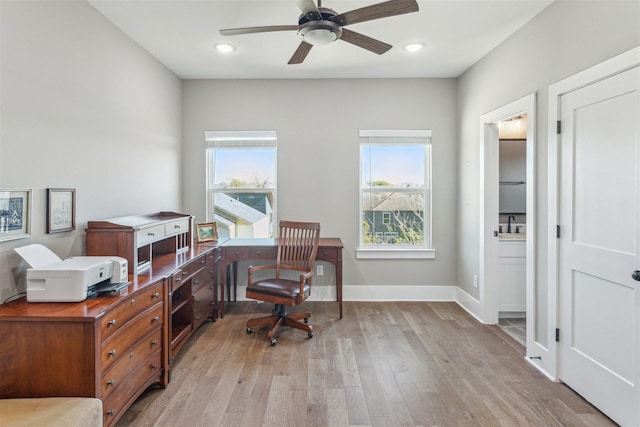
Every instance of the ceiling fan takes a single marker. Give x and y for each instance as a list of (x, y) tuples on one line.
[(318, 26)]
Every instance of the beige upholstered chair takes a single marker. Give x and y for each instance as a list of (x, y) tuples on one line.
[(297, 249)]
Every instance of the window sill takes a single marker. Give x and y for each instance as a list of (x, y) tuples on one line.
[(396, 253)]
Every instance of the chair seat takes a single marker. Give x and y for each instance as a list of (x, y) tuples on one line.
[(278, 288)]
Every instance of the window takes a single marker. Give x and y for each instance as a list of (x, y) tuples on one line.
[(395, 194), (241, 182)]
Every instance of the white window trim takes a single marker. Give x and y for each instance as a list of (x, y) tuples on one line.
[(399, 251)]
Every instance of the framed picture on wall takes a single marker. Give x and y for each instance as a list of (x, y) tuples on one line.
[(15, 214), (61, 210), (206, 231)]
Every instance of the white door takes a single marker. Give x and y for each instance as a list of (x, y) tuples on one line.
[(599, 244)]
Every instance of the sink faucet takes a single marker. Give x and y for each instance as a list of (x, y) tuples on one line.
[(509, 222)]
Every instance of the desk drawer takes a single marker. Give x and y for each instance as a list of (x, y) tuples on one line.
[(150, 235), (115, 319), (235, 254), (327, 254), (119, 343), (264, 253), (176, 227), (193, 267), (125, 363)]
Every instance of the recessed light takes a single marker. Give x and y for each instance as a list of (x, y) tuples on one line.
[(225, 47), (413, 47)]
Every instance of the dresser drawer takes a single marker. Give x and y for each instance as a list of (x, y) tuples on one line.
[(130, 386), (203, 302), (176, 227), (120, 343), (115, 319), (128, 360), (150, 235), (203, 277)]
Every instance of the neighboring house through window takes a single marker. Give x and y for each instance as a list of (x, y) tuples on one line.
[(241, 182), (395, 194)]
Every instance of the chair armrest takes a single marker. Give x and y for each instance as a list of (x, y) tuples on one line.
[(252, 268)]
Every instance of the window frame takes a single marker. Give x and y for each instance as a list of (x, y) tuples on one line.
[(420, 137), (240, 140)]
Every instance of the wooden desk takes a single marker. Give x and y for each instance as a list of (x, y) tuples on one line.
[(234, 250)]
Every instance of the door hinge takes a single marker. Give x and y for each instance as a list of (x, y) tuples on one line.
[(557, 335), (557, 231), (558, 127)]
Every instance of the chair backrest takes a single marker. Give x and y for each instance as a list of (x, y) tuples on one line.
[(297, 245)]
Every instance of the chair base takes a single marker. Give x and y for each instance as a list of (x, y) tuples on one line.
[(280, 318)]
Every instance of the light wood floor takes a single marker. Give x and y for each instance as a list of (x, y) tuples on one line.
[(384, 364)]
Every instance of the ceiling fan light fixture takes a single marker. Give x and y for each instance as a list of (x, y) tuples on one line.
[(414, 47), (320, 33), (225, 47)]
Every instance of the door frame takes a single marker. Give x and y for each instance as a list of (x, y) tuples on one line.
[(615, 65), (489, 208)]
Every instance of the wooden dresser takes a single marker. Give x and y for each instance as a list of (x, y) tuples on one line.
[(114, 347)]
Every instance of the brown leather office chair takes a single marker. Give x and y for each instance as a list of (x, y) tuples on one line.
[(297, 249)]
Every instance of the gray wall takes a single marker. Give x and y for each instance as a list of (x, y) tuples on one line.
[(83, 107), (565, 38), (318, 155)]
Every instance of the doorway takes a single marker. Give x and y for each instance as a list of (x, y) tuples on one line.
[(502, 251)]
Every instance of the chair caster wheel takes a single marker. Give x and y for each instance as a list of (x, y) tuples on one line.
[(310, 334), (272, 341), (249, 330), (306, 320)]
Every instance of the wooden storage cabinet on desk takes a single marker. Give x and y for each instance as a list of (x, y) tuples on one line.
[(139, 237)]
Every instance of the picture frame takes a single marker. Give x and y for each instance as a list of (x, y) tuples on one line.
[(61, 210), (206, 231), (15, 214)]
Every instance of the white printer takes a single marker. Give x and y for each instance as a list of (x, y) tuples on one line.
[(52, 279)]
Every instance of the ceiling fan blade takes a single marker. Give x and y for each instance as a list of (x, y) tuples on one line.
[(376, 11), (308, 6), (301, 53), (251, 30), (364, 42)]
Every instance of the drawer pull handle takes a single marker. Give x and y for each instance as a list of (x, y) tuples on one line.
[(257, 252), (196, 282), (154, 366), (155, 295), (110, 412), (155, 319), (154, 342), (197, 300), (151, 233), (177, 227), (133, 302), (184, 273), (237, 252), (112, 322), (111, 382), (325, 253), (112, 352), (131, 355)]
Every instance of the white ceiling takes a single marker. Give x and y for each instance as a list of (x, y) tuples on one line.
[(182, 33)]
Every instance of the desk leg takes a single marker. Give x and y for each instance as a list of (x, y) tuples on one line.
[(223, 284), (339, 283), (235, 282)]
